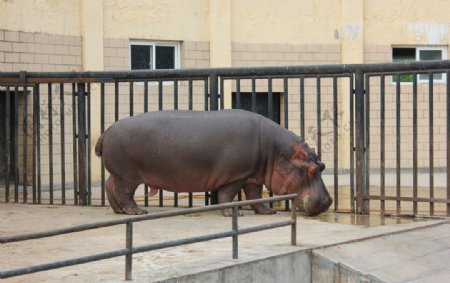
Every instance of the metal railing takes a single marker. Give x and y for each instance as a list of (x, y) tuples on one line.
[(205, 89), (129, 249)]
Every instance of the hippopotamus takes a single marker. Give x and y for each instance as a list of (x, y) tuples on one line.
[(200, 151)]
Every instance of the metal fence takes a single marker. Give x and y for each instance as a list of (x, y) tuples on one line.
[(381, 129), (129, 249)]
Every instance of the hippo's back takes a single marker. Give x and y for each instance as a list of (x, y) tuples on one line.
[(188, 150)]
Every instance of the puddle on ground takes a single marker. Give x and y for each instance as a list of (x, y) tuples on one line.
[(365, 220)]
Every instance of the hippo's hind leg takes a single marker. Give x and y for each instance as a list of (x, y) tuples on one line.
[(226, 194), (109, 187), (254, 191), (124, 194)]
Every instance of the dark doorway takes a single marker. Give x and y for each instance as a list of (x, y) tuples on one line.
[(5, 146), (262, 104)]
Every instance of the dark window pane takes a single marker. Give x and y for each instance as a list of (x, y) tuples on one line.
[(165, 57), (262, 103), (140, 57), (403, 55), (430, 55)]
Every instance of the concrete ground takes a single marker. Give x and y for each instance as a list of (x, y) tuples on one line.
[(384, 249)]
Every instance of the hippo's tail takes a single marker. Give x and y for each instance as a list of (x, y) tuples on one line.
[(99, 145)]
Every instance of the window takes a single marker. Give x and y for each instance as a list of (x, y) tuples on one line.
[(154, 55), (405, 54)]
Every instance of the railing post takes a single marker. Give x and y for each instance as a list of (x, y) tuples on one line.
[(294, 223), (235, 230), (129, 255), (361, 190), (82, 180)]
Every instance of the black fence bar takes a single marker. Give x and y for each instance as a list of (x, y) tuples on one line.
[(335, 143), (16, 144), (102, 130), (25, 145), (145, 111), (367, 141), (319, 118), (37, 145), (382, 142), (131, 98), (415, 143), (191, 104), (116, 101), (89, 151), (398, 141), (82, 170), (8, 142), (130, 250), (431, 139), (74, 145), (352, 145), (253, 94), (160, 108), (50, 140), (360, 143), (62, 114)]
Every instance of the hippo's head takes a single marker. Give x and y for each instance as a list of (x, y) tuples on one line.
[(298, 171)]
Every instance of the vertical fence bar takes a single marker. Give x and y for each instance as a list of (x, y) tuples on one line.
[(286, 119), (62, 139), (270, 102), (234, 227), (25, 144), (302, 107), (8, 142), (382, 144), (82, 143), (131, 98), (116, 101), (16, 144), (190, 100), (415, 143), (102, 130), (398, 140), (254, 95), (145, 111), (160, 108), (129, 248), (88, 153), (175, 107), (318, 117), (74, 145), (366, 202), (50, 141), (335, 147), (222, 94), (352, 144), (206, 91), (360, 143), (448, 141), (37, 126), (431, 139)]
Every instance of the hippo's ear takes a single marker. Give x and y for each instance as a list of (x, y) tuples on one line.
[(298, 157)]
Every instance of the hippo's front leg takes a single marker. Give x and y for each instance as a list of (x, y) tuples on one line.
[(226, 194), (254, 191)]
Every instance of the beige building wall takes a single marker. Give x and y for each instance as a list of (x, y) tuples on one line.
[(49, 35)]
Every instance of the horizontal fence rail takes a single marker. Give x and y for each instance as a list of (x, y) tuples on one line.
[(361, 120), (129, 249)]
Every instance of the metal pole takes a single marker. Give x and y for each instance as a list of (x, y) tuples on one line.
[(360, 141), (82, 144), (235, 230), (129, 248), (294, 223)]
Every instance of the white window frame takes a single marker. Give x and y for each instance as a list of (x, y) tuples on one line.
[(444, 51), (154, 44)]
